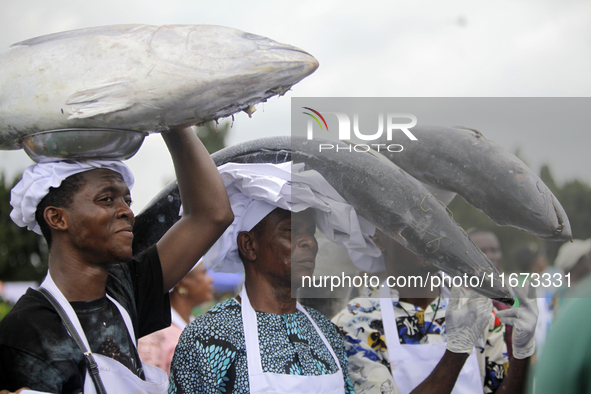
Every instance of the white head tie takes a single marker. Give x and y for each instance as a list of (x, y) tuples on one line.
[(570, 253), (257, 189), (38, 178)]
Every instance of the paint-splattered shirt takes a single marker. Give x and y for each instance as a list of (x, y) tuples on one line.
[(369, 362), (211, 356), (37, 352)]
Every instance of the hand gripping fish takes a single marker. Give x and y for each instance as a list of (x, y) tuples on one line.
[(140, 77), (488, 177), (382, 193)]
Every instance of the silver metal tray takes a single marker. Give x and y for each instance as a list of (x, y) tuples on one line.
[(81, 144)]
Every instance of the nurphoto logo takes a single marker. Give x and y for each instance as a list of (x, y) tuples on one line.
[(344, 131)]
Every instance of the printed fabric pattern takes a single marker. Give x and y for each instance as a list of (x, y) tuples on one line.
[(369, 363), (211, 358)]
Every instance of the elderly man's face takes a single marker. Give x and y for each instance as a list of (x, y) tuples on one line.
[(100, 221), (286, 245)]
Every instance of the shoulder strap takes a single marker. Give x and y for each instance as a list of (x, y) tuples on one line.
[(90, 362)]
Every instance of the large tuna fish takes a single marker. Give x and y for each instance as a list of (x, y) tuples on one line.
[(488, 177), (140, 77), (381, 192)]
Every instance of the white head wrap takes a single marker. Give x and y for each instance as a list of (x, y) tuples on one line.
[(570, 253), (257, 189), (371, 264), (38, 178)]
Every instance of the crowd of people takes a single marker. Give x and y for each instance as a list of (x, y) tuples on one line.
[(79, 331)]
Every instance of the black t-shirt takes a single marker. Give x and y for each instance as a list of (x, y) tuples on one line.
[(106, 332), (37, 352)]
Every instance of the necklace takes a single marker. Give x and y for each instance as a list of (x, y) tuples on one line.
[(432, 320)]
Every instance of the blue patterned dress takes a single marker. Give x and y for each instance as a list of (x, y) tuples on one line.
[(211, 358)]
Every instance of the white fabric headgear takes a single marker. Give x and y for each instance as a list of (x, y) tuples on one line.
[(257, 189), (570, 253), (38, 178)]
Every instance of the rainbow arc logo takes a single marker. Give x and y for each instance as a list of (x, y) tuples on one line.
[(315, 118)]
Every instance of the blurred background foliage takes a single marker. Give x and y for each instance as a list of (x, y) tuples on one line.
[(575, 197)]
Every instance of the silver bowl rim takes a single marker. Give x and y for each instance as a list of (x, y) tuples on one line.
[(38, 158), (72, 129)]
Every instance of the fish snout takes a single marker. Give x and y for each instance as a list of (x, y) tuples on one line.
[(563, 231), (285, 53)]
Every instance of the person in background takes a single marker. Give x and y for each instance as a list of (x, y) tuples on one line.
[(565, 364), (531, 257), (194, 289), (574, 259), (400, 338), (489, 244), (264, 340)]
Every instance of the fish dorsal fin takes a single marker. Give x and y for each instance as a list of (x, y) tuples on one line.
[(478, 133), (103, 99), (113, 31)]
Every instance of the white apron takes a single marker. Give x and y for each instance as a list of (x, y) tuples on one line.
[(411, 364), (177, 320), (266, 382), (115, 376)]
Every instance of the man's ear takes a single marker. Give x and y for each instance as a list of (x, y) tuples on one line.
[(56, 218), (378, 239), (247, 245)]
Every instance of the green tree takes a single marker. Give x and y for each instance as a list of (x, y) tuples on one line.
[(23, 254), (548, 179), (575, 198), (213, 135)]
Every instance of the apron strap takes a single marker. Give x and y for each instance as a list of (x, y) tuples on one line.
[(389, 319), (126, 319), (251, 338), (177, 320), (326, 343), (90, 362)]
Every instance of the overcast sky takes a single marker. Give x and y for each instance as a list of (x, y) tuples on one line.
[(370, 49)]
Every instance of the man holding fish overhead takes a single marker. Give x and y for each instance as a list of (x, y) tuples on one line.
[(79, 330), (264, 339), (410, 335)]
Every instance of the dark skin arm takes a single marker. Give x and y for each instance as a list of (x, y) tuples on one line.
[(443, 378), (206, 208), (516, 378)]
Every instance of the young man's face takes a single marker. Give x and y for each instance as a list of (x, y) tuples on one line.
[(100, 221), (287, 244)]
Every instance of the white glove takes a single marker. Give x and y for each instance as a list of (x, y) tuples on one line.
[(466, 324), (523, 319)]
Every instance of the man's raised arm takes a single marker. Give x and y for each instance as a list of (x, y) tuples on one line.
[(206, 208), (464, 326)]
